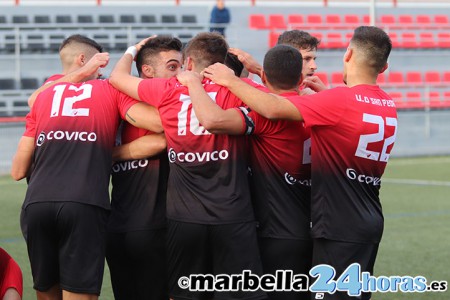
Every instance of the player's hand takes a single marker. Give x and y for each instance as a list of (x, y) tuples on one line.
[(143, 42), (314, 83), (99, 60), (186, 77), (247, 60), (219, 73), (306, 91)]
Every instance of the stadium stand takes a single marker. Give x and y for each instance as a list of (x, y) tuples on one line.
[(257, 21), (63, 19), (416, 33)]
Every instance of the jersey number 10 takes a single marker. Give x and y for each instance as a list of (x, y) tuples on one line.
[(194, 125)]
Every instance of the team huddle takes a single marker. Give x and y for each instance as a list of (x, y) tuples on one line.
[(211, 172)]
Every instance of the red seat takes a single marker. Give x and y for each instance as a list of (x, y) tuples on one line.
[(423, 21), (414, 100), (334, 40), (446, 99), (273, 38), (434, 99), (337, 79), (257, 21), (314, 21), (324, 77), (446, 77), (319, 36), (427, 40), (409, 40), (277, 22), (441, 21), (334, 21), (432, 77), (366, 19), (388, 21), (352, 21), (398, 99), (394, 39), (295, 21), (413, 77), (446, 96), (396, 78), (406, 21), (443, 39)]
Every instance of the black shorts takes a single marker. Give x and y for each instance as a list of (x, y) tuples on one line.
[(340, 255), (66, 245), (286, 254), (211, 249), (137, 263)]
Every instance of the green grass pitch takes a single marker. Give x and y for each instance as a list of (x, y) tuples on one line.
[(415, 195)]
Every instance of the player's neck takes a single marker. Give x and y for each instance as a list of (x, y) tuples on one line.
[(360, 77)]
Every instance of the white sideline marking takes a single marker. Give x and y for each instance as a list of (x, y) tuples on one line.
[(418, 161), (415, 181)]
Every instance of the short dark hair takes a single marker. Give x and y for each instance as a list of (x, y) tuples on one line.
[(299, 39), (374, 44), (232, 61), (153, 47), (283, 67), (81, 39), (207, 48)]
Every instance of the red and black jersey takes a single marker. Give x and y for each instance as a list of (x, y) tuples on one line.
[(353, 131), (208, 181), (74, 126), (138, 197), (281, 176)]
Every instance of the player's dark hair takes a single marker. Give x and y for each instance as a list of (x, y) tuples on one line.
[(234, 63), (299, 39), (80, 39), (148, 52), (374, 44), (207, 48), (283, 67)]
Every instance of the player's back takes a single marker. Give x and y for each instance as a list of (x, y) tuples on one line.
[(208, 173), (281, 169), (353, 131), (74, 126)]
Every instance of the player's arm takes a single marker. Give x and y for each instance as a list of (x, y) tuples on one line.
[(121, 77), (23, 158), (314, 83), (210, 115), (144, 116), (267, 105), (250, 64), (99, 60), (142, 147)]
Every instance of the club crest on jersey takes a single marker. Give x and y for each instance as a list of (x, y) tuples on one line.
[(40, 139), (197, 156)]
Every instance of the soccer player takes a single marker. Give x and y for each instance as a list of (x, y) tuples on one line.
[(136, 244), (211, 226), (280, 164), (69, 137), (307, 45), (74, 52), (353, 130)]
